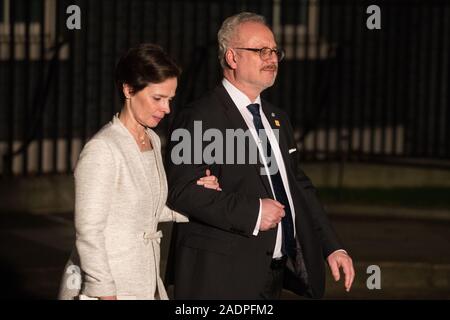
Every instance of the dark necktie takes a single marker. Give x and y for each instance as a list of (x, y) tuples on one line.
[(288, 242)]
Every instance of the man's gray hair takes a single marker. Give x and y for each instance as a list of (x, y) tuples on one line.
[(228, 31)]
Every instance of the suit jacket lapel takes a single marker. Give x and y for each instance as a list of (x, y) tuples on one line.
[(238, 122), (160, 167), (132, 153), (230, 108), (274, 119)]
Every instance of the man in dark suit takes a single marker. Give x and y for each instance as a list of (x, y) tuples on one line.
[(265, 228)]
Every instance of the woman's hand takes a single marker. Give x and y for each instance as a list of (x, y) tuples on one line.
[(108, 298), (209, 181)]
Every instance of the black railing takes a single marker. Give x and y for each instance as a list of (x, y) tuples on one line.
[(353, 94)]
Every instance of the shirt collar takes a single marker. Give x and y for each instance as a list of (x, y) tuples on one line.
[(239, 98)]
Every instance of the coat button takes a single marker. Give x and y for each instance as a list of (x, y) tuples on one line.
[(269, 252)]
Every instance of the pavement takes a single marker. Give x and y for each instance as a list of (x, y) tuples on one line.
[(411, 249)]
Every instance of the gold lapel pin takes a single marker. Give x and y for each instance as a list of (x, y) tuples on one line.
[(277, 123)]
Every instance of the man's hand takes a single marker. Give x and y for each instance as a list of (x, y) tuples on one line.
[(340, 259), (271, 213)]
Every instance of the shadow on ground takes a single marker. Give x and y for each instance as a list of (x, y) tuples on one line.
[(412, 256)]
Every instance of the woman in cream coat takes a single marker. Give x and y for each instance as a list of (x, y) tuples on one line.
[(121, 189)]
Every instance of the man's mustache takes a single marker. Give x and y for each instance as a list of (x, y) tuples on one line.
[(272, 67)]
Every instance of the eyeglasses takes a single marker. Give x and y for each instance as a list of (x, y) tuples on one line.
[(265, 53)]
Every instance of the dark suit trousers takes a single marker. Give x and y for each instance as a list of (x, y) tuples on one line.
[(274, 282)]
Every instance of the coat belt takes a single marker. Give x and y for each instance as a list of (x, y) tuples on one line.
[(152, 236)]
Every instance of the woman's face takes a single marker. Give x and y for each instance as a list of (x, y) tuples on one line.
[(151, 104)]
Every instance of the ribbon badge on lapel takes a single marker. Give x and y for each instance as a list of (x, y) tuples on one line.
[(277, 123)]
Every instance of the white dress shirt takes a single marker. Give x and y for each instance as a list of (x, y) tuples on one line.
[(242, 101)]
